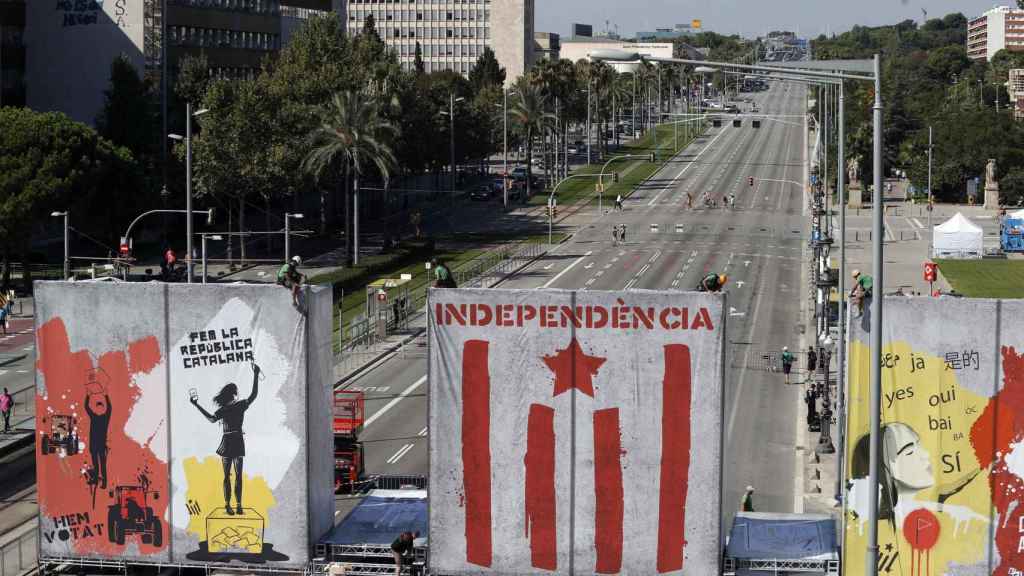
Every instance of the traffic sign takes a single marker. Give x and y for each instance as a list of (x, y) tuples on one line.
[(124, 246), (930, 270)]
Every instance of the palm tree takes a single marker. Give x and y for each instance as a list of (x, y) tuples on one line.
[(354, 132), (528, 111)]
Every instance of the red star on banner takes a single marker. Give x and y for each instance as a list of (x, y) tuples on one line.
[(566, 377)]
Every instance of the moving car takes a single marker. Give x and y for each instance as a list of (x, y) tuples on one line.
[(481, 192)]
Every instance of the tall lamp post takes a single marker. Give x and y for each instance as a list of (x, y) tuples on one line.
[(825, 445), (504, 176), (451, 133), (67, 255), (287, 233), (189, 114)]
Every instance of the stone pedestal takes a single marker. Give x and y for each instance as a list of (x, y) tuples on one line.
[(855, 196), (992, 197)]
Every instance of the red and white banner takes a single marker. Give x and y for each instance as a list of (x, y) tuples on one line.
[(575, 432)]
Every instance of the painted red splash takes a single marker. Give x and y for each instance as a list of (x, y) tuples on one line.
[(476, 451), (574, 369), (608, 491), (540, 487), (1000, 425), (65, 497), (675, 457)]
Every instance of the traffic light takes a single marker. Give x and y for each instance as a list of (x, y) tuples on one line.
[(615, 177), (652, 158), (750, 180)]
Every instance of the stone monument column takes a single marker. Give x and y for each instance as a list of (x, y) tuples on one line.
[(991, 186), (854, 188)]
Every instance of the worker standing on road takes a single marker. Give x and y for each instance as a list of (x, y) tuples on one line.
[(402, 550), (787, 362)]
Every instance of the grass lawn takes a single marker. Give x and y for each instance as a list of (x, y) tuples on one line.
[(985, 278)]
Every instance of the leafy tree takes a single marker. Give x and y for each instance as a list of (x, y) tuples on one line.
[(486, 71), (353, 135), (128, 117), (193, 78), (529, 113), (49, 162), (417, 60)]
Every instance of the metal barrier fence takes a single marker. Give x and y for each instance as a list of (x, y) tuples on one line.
[(18, 557)]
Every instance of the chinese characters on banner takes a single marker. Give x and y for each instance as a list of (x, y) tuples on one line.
[(951, 478), (575, 432)]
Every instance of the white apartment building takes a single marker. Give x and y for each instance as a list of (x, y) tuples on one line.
[(452, 33), (1000, 28)]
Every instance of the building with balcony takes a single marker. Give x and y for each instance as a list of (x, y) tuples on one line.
[(69, 45), (997, 29), (452, 34)]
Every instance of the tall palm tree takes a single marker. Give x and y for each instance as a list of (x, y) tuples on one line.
[(354, 132), (530, 114)]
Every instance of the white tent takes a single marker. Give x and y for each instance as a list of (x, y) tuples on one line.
[(1018, 215), (957, 237)]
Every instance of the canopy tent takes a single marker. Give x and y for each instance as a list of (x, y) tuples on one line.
[(957, 237), (1018, 215)]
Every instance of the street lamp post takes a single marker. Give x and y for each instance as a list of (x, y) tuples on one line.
[(287, 233), (67, 254), (930, 239), (188, 182), (875, 397), (825, 440), (589, 129), (451, 132)]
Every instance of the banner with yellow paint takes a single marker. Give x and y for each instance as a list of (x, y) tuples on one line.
[(951, 446)]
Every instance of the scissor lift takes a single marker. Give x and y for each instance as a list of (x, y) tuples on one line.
[(349, 406)]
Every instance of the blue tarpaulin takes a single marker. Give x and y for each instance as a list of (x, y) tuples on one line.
[(381, 517), (760, 535)]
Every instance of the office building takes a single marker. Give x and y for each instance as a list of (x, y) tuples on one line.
[(1000, 28), (69, 45), (12, 53), (1015, 86), (546, 46), (452, 34), (575, 50), (678, 31)]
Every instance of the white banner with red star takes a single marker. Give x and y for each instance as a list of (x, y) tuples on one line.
[(575, 432)]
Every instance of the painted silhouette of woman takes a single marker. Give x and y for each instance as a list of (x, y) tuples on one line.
[(231, 413), (98, 408)]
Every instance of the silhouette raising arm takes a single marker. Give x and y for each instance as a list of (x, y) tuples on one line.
[(210, 417), (255, 385)]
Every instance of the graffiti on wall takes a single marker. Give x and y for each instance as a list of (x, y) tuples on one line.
[(101, 437), (227, 379)]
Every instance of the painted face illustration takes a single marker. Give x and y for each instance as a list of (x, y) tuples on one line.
[(909, 463)]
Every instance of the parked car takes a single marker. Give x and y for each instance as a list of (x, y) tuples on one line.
[(482, 192)]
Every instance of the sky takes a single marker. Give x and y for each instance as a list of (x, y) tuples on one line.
[(750, 18)]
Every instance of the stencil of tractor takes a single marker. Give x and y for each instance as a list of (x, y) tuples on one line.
[(61, 436), (131, 514)]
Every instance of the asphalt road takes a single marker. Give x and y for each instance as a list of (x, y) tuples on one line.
[(758, 244)]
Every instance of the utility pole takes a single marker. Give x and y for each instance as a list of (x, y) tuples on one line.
[(930, 238), (504, 176), (589, 131), (841, 344), (188, 188), (451, 132)]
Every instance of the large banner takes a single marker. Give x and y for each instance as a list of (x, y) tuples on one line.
[(575, 432), (101, 422), (951, 480), (238, 397), (176, 422)]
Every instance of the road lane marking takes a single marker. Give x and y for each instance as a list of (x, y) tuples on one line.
[(401, 452), (685, 168), (394, 401), (423, 432), (919, 224), (567, 268)]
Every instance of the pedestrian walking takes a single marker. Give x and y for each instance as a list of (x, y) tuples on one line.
[(811, 399), (3, 311), (11, 297), (622, 234), (689, 201), (618, 202), (6, 408), (812, 360), (747, 505), (787, 362), (615, 235)]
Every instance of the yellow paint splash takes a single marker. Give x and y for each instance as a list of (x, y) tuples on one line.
[(206, 489)]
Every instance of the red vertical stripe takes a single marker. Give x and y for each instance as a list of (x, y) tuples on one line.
[(476, 451), (540, 486), (675, 457), (608, 489)]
